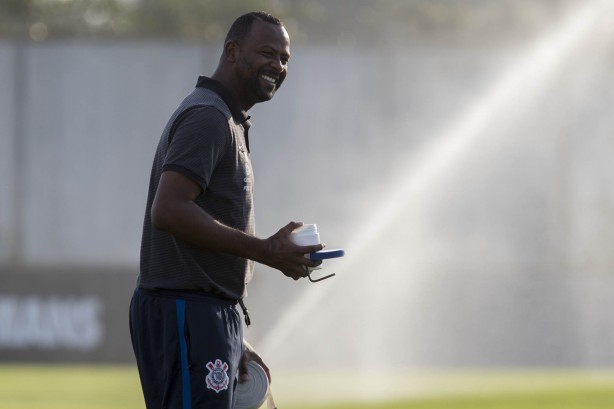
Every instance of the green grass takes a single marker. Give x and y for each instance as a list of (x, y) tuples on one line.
[(589, 399), (117, 387), (67, 387)]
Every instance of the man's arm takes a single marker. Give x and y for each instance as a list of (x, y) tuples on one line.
[(174, 211)]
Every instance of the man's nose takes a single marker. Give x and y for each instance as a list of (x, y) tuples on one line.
[(278, 65)]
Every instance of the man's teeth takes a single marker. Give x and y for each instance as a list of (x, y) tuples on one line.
[(269, 79)]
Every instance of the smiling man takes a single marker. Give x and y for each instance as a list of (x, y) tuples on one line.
[(199, 245)]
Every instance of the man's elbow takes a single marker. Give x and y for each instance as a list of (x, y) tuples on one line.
[(161, 216)]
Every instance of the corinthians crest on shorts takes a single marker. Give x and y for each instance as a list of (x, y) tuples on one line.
[(218, 376)]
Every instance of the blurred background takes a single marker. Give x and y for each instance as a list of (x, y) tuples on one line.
[(459, 150)]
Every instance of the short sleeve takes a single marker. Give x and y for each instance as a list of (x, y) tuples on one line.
[(198, 143)]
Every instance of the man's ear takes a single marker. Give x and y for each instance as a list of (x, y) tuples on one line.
[(231, 51)]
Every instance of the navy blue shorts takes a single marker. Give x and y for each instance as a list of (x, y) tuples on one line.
[(187, 349)]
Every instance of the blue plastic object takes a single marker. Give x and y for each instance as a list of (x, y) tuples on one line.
[(326, 254)]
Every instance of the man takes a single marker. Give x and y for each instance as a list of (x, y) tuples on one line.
[(198, 245)]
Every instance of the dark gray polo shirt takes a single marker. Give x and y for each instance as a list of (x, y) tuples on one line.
[(205, 140)]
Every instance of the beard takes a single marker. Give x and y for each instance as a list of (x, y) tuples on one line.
[(260, 89), (262, 93)]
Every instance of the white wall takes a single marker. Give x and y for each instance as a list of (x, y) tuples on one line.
[(532, 201)]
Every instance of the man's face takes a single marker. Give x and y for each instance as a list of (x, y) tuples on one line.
[(263, 61)]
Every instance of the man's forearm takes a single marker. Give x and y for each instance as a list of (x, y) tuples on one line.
[(188, 222)]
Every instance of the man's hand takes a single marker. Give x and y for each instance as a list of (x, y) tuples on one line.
[(289, 258), (249, 354)]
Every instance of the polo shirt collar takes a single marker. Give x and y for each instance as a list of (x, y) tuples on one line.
[(237, 113)]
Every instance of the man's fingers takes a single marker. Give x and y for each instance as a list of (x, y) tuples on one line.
[(260, 362), (243, 371), (290, 227)]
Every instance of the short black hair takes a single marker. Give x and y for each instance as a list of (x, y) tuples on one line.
[(241, 26)]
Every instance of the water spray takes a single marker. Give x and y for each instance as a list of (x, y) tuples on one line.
[(530, 72)]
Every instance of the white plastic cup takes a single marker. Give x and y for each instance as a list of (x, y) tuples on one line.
[(306, 235)]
